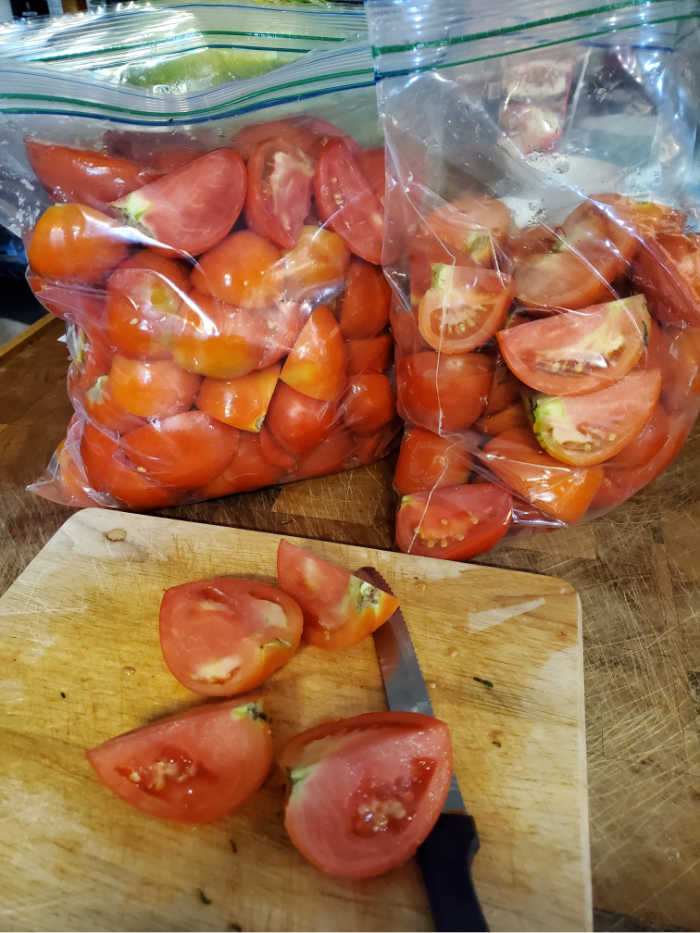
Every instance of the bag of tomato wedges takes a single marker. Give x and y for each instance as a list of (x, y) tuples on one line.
[(216, 259), (541, 239)]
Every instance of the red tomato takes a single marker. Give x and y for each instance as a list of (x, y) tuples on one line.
[(340, 609), (366, 448), (368, 403), (273, 451), (102, 408), (668, 271), (583, 430), (427, 461), (70, 302), (443, 393), (346, 202), (681, 368), (643, 219), (365, 308), (91, 356), (561, 491), (153, 389), (239, 271), (184, 450), (248, 470), (471, 228), (372, 355), (505, 389), (372, 166), (565, 279), (365, 792), (330, 455), (241, 402), (194, 767), (85, 176), (224, 636), (71, 478), (168, 210), (163, 153), (511, 417), (404, 328), (317, 364), (280, 177), (646, 444), (578, 351), (453, 522), (308, 133), (316, 263), (597, 226), (297, 421), (464, 308), (76, 244)]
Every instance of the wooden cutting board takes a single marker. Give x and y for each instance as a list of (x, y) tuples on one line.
[(80, 660)]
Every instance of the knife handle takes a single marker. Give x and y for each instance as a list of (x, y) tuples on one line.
[(445, 860)]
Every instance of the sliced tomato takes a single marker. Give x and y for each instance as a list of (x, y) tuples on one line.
[(371, 355), (194, 767), (71, 479), (365, 308), (308, 133), (154, 389), (70, 302), (404, 328), (280, 177), (668, 272), (471, 228), (643, 219), (598, 225), (274, 452), (340, 609), (332, 454), (101, 408), (83, 175), (443, 393), (564, 279), (297, 421), (372, 164), (562, 491), (223, 636), (248, 470), (316, 264), (366, 448), (241, 402), (464, 308), (365, 792), (644, 447), (239, 271), (681, 368), (505, 389), (513, 416), (317, 364), (453, 522), (577, 352), (369, 403), (583, 430), (346, 202), (427, 461), (192, 208)]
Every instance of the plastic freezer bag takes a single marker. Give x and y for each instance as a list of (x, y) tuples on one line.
[(541, 241), (216, 257)]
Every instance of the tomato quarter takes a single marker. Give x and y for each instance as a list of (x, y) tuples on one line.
[(280, 177), (241, 402), (443, 393), (365, 307), (427, 461), (368, 403), (239, 271), (317, 364), (297, 421)]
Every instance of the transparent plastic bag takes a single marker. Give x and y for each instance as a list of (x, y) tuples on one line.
[(541, 240), (216, 259)]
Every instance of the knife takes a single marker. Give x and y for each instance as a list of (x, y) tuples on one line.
[(446, 855)]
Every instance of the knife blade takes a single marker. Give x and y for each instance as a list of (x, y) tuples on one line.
[(446, 855)]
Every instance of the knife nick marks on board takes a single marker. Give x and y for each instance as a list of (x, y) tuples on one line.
[(445, 857)]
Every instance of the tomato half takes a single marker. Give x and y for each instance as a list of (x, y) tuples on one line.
[(583, 430), (317, 364), (368, 403), (346, 202), (239, 271), (453, 522), (371, 355), (316, 263), (224, 636), (365, 308), (248, 470), (340, 609), (578, 351), (297, 421), (241, 402), (562, 491), (668, 271), (194, 767), (366, 448), (330, 455), (427, 461), (365, 792), (71, 478), (443, 393), (280, 177)]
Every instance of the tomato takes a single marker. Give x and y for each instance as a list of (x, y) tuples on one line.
[(274, 452), (372, 166), (317, 364), (346, 202), (681, 368), (404, 328), (564, 279), (427, 461), (642, 448), (184, 450), (453, 522), (102, 408), (143, 299), (71, 477), (154, 389), (279, 191), (91, 356), (332, 454), (465, 306), (239, 270), (297, 421), (562, 491), (70, 302), (578, 351), (668, 271), (371, 355), (161, 152), (368, 403), (597, 227), (365, 307), (643, 219), (85, 176), (193, 767), (366, 448), (443, 393), (365, 792), (583, 430), (76, 244), (340, 608), (192, 208), (504, 390), (511, 417), (224, 636), (471, 227), (308, 133), (318, 261), (248, 470), (241, 402)]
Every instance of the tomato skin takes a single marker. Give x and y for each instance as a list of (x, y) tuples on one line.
[(195, 767), (168, 212), (371, 355), (317, 363), (297, 421), (646, 444), (365, 308), (427, 461), (331, 455), (346, 202), (153, 389), (336, 767), (239, 271), (73, 243), (81, 175), (279, 195), (505, 389), (248, 470), (241, 402), (369, 403), (222, 636), (442, 393), (511, 417), (668, 271), (596, 227), (69, 302), (318, 261)]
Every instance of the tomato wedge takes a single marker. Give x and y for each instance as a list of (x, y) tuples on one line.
[(365, 309), (471, 227), (578, 351), (346, 202), (646, 444), (368, 403), (513, 416), (154, 389), (297, 421), (454, 522), (280, 177), (371, 355), (668, 271), (240, 271), (583, 430), (194, 767), (340, 609), (223, 636), (505, 389), (427, 461), (248, 470), (373, 166), (332, 454), (365, 792), (168, 210), (317, 364), (316, 264), (564, 279), (242, 402)]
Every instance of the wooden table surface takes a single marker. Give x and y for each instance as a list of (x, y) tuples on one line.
[(637, 571)]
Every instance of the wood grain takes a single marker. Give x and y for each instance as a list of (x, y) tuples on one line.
[(500, 651)]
